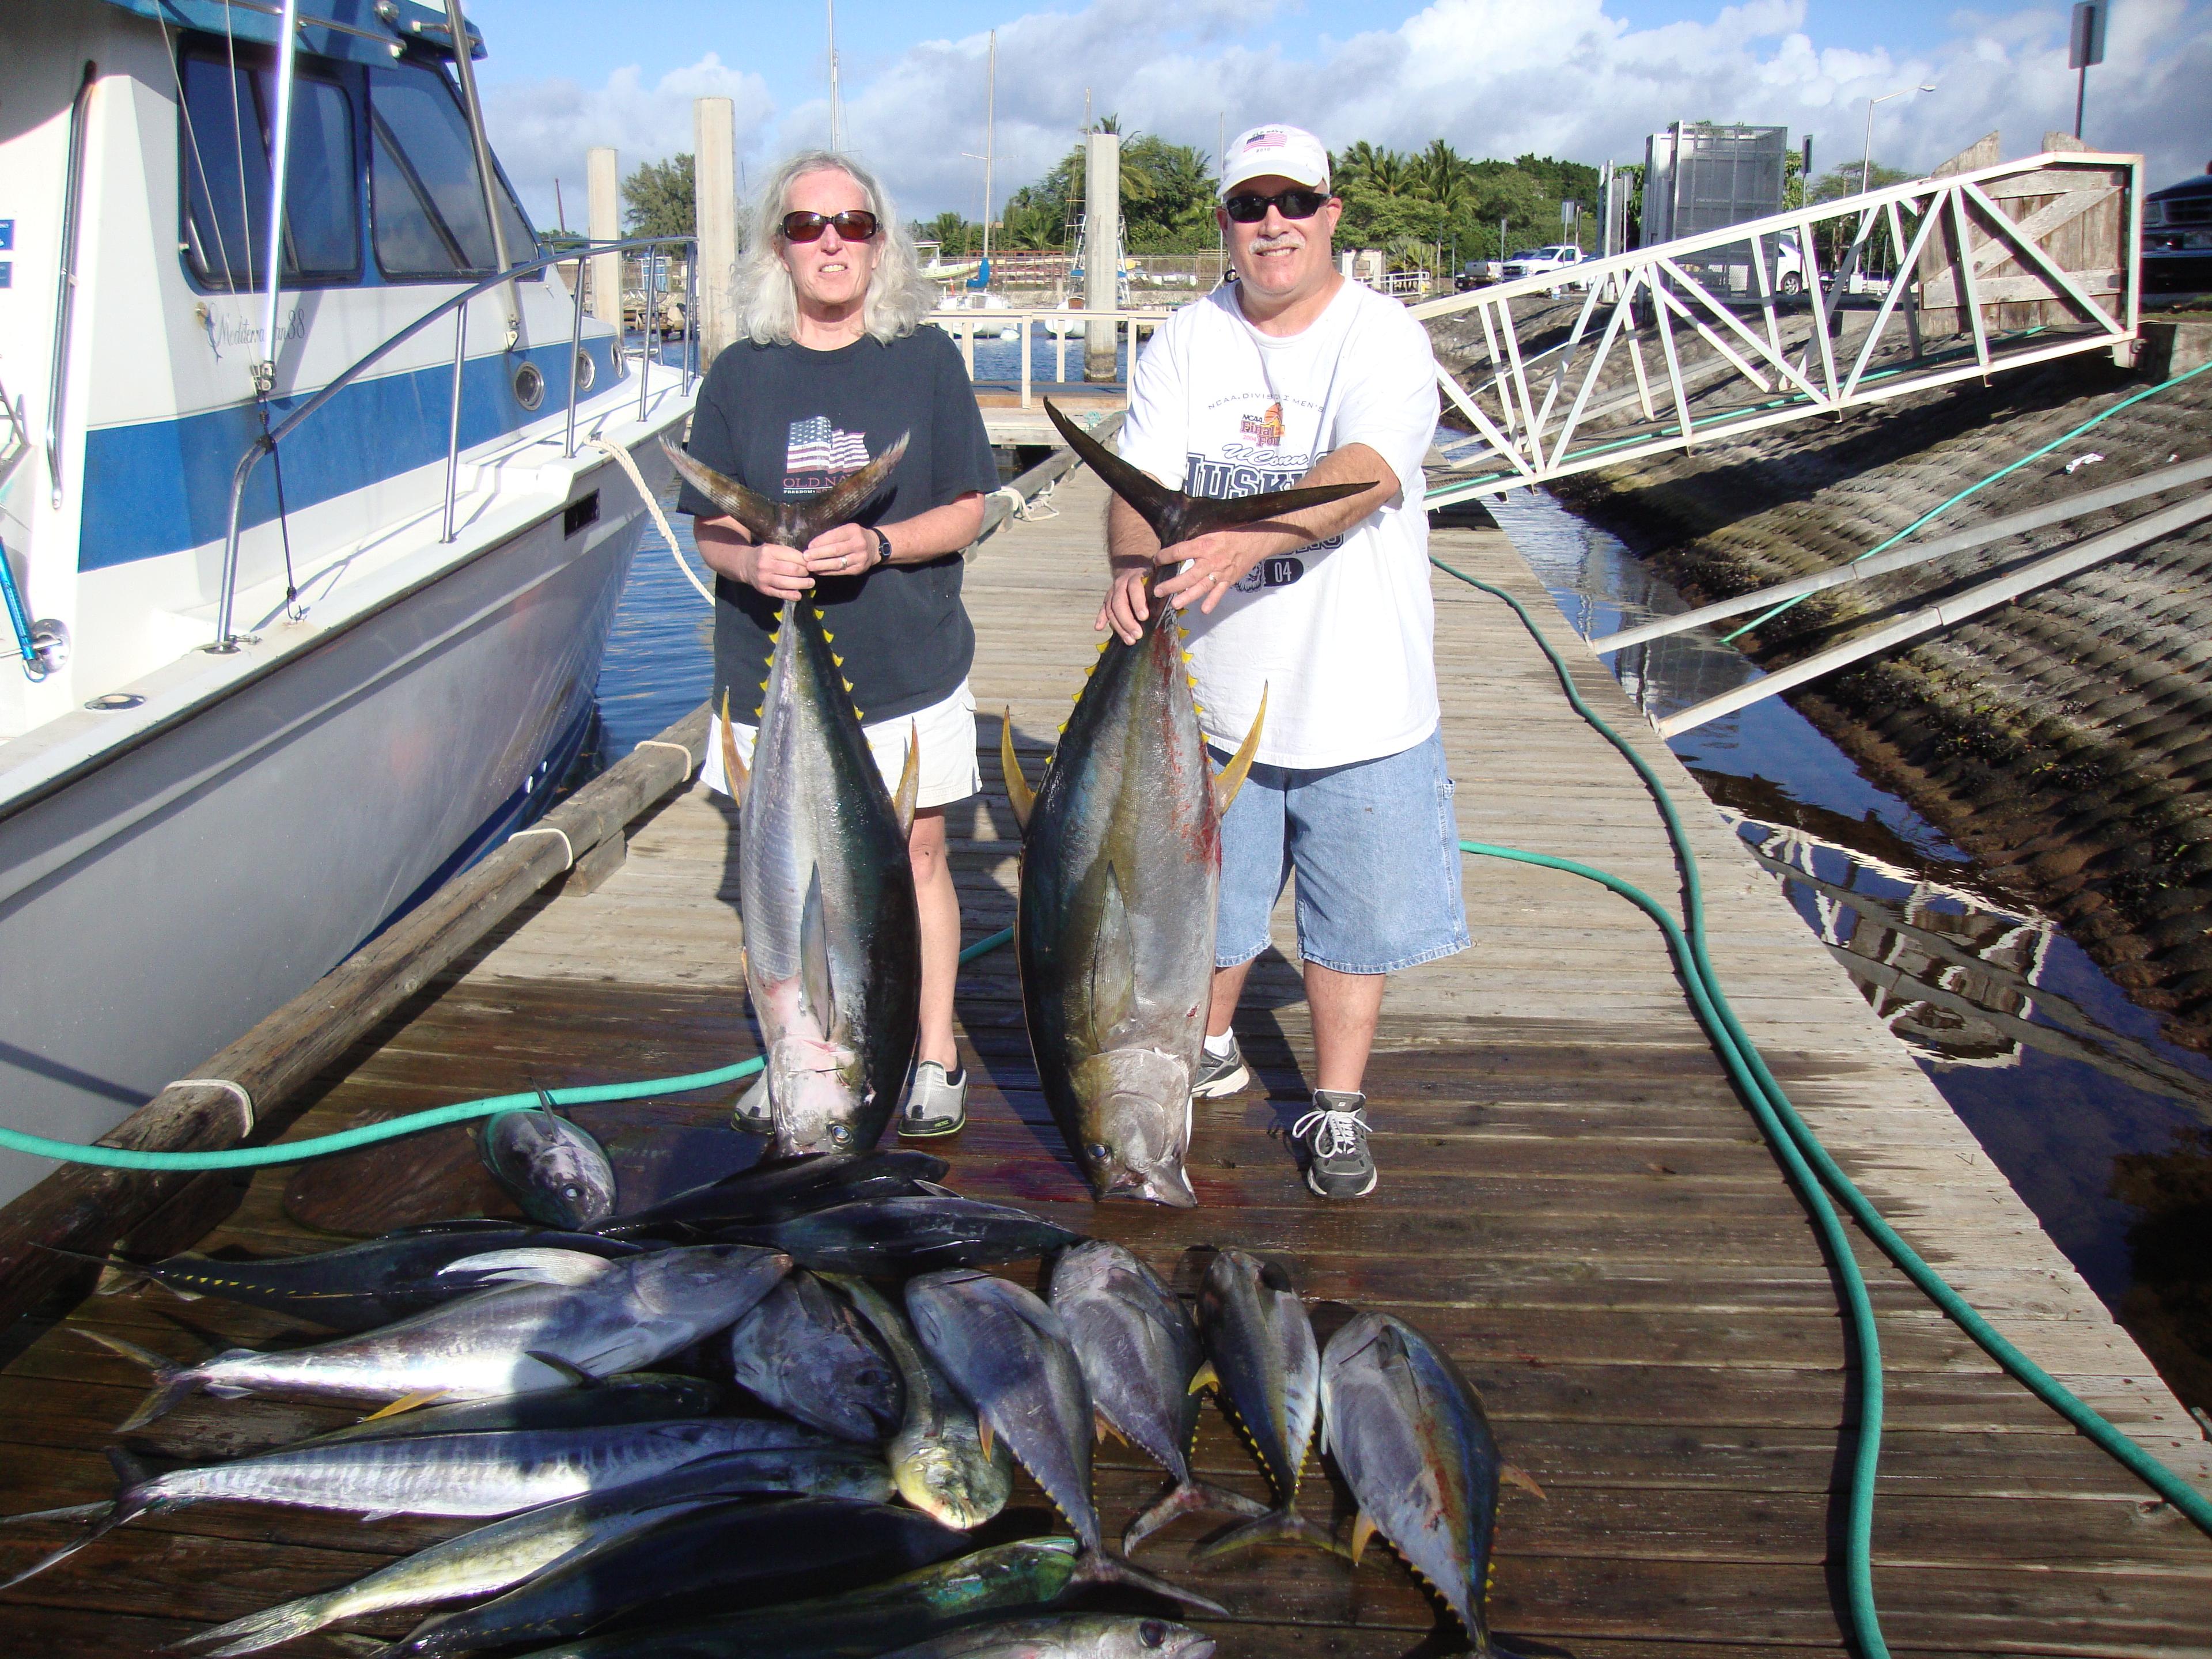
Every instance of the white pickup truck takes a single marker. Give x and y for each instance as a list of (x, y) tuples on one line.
[(1534, 262)]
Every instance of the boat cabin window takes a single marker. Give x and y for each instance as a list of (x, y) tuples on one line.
[(228, 113), (424, 200)]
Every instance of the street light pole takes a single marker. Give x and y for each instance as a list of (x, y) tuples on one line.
[(1866, 155)]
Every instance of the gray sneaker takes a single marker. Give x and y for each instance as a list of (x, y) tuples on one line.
[(1338, 1163), (750, 1116), (935, 1104), (1220, 1074)]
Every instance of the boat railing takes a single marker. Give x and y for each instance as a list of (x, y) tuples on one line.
[(963, 323), (226, 638)]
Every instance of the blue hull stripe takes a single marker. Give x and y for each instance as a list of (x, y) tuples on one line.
[(159, 487)]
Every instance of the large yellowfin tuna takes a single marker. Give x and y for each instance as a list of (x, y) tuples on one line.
[(1121, 868), (833, 936)]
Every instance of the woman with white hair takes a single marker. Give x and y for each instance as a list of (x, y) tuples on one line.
[(832, 368)]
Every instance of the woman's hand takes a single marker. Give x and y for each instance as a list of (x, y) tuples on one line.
[(780, 572), (848, 551)]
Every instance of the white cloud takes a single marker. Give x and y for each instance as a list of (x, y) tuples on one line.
[(541, 129), (1495, 78)]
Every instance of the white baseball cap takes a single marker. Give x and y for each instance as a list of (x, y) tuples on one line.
[(1291, 153)]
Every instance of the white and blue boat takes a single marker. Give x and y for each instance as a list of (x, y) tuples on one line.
[(308, 570)]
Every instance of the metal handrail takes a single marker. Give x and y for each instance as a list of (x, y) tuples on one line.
[(226, 639)]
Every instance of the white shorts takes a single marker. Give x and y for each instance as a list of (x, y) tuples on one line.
[(947, 730)]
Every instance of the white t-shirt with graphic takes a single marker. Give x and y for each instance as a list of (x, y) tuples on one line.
[(1341, 635)]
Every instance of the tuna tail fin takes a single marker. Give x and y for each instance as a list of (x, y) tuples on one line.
[(733, 769), (1097, 1568), (1230, 778), (171, 1382), (1283, 1526), (1176, 517), (1019, 795), (1188, 1498), (756, 515), (130, 1500), (842, 501), (909, 788), (266, 1629)]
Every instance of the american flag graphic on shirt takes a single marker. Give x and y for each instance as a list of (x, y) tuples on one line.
[(818, 446)]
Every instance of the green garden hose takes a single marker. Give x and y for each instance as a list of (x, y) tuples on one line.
[(1797, 1147), (346, 1140)]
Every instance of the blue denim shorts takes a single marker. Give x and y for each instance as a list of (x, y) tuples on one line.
[(1376, 847)]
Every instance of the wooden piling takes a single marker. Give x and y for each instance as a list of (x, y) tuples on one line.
[(1102, 244), (603, 189), (714, 186)]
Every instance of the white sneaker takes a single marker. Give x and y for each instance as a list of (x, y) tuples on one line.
[(935, 1104)]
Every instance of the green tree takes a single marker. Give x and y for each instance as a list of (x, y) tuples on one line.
[(660, 199)]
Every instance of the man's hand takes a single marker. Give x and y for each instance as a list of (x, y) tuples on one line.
[(848, 551), (1125, 610), (1217, 562)]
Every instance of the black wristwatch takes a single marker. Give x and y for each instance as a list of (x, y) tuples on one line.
[(883, 545)]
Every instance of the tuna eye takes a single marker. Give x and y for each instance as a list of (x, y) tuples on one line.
[(1153, 1632), (572, 1190), (1272, 1276), (1097, 1153), (841, 1134)]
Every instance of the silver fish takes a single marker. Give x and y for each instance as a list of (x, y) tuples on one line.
[(1067, 1636), (803, 1351), (515, 1339), (1262, 1363), (496, 1557), (551, 1167), (1121, 869), (1408, 1433), (833, 936), (487, 1473), (1140, 1350), (1008, 1355), (940, 1459)]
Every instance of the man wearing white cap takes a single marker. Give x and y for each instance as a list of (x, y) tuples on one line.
[(1294, 376)]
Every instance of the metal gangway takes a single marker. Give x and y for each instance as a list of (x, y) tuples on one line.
[(1711, 337)]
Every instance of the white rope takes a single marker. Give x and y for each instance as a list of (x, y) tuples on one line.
[(660, 521), (237, 1090), (567, 846), (661, 743)]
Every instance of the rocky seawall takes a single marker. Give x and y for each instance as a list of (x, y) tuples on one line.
[(2064, 739)]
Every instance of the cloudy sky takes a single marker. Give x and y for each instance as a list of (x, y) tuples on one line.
[(1581, 79)]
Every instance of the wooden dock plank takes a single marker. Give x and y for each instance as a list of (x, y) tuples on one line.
[(1573, 1200)]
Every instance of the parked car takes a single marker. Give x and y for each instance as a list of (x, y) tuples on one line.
[(1534, 262), (2177, 238)]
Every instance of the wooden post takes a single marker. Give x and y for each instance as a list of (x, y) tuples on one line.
[(714, 138), (603, 223), (1102, 245)]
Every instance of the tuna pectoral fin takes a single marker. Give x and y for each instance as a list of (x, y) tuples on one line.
[(1230, 778), (171, 1382), (406, 1403), (1105, 1569), (1284, 1526), (909, 789), (756, 515), (842, 501), (1187, 1497), (733, 769), (817, 994), (1113, 996), (1019, 795)]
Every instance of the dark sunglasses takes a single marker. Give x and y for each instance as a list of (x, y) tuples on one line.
[(858, 225), (1249, 209)]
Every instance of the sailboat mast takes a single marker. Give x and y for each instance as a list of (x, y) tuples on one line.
[(990, 135), (836, 114)]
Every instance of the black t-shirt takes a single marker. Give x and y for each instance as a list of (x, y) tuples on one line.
[(787, 422)]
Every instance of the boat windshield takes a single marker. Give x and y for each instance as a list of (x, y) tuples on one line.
[(424, 196), (227, 122)]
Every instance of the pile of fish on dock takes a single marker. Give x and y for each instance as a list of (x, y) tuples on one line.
[(573, 1382)]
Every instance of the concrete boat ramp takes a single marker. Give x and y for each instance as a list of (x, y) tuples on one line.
[(1573, 1199)]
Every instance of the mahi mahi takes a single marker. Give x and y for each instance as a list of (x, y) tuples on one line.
[(1262, 1363), (833, 936), (1409, 1436), (1140, 1350), (1008, 1354), (514, 1338), (940, 1459), (1121, 869)]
